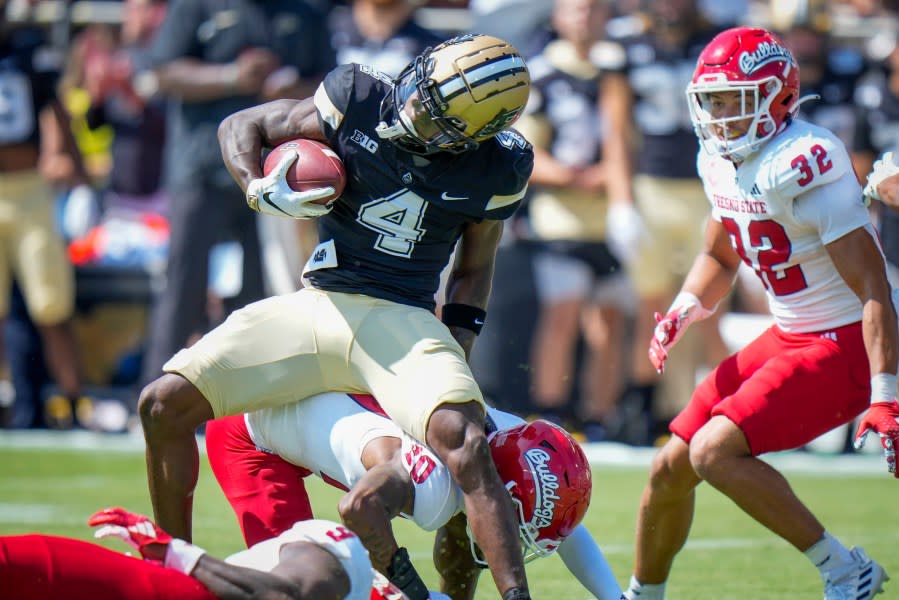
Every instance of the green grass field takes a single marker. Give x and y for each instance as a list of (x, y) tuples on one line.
[(53, 490)]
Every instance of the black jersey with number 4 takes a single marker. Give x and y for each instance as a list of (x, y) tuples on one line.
[(396, 224)]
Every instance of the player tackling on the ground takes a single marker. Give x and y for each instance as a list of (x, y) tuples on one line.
[(312, 560), (786, 202), (261, 460)]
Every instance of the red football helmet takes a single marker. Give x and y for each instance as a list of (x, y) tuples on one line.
[(756, 64), (549, 479)]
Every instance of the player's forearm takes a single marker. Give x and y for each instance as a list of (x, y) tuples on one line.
[(709, 280), (230, 582), (241, 142), (243, 134), (192, 80), (879, 329), (368, 508), (472, 275)]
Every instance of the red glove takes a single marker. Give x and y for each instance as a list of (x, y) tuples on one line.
[(383, 589), (685, 309), (137, 530), (883, 419)]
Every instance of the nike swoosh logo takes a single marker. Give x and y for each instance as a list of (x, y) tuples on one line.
[(265, 198), (446, 196)]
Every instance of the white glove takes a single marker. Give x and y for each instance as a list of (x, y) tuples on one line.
[(883, 168), (272, 195), (625, 230)]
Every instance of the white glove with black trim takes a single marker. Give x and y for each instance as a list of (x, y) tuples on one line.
[(272, 195), (883, 168)]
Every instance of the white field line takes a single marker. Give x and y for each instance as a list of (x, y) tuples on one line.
[(601, 454)]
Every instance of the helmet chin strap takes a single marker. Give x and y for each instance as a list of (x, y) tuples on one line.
[(389, 132)]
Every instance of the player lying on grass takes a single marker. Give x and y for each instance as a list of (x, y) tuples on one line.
[(311, 560), (261, 458)]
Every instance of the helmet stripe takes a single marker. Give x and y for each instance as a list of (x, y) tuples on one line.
[(501, 66)]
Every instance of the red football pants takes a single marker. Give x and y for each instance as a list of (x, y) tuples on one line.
[(46, 567), (267, 493), (785, 389)]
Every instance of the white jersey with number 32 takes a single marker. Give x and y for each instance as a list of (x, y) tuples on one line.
[(782, 206)]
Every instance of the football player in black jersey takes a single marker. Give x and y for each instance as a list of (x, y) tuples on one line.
[(431, 166)]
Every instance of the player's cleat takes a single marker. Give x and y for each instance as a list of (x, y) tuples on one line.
[(862, 582)]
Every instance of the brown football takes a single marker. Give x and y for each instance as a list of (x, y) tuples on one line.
[(317, 165)]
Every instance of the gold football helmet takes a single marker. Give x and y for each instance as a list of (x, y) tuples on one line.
[(453, 96)]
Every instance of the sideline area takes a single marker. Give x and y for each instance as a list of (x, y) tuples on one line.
[(600, 454)]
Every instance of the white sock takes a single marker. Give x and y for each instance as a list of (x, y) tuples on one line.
[(644, 591), (830, 556)]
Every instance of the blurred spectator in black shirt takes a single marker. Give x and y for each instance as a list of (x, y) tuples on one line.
[(212, 58), (138, 125), (380, 33), (36, 151)]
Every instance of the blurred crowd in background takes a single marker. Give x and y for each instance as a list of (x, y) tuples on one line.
[(108, 114)]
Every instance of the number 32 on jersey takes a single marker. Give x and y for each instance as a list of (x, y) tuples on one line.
[(773, 250)]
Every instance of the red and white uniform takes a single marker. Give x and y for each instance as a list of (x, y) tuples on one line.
[(809, 372), (781, 207), (333, 537), (260, 460), (327, 434), (47, 567)]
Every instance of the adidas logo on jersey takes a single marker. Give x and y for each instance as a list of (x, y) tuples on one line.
[(755, 191)]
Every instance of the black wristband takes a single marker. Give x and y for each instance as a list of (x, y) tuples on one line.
[(403, 575), (464, 316), (517, 594)]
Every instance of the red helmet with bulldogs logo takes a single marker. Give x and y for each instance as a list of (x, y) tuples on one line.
[(548, 477), (755, 63)]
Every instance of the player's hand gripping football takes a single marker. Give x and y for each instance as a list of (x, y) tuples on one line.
[(272, 195), (669, 329), (883, 419), (137, 530)]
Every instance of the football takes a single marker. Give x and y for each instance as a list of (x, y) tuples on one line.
[(316, 166)]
